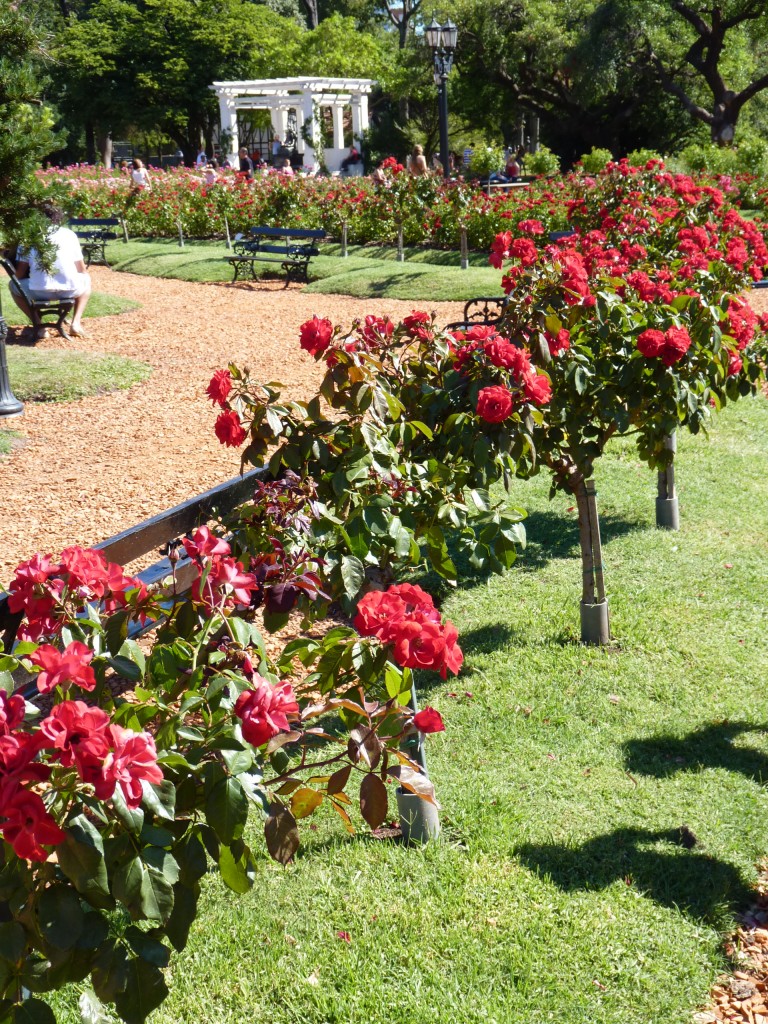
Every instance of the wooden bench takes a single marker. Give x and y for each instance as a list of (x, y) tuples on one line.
[(94, 233), (159, 533), (42, 309), (292, 248)]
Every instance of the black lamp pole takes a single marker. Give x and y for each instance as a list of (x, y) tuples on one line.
[(442, 40), (9, 403)]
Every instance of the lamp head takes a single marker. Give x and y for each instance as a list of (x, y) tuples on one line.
[(434, 34), (450, 35)]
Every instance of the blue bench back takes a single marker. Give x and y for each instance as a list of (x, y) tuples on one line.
[(314, 233)]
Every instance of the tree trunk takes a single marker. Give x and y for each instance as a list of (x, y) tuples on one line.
[(594, 606), (105, 149), (90, 142)]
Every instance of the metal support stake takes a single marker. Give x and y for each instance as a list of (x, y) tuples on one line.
[(595, 625), (344, 250), (9, 403), (400, 253), (419, 819), (181, 233), (667, 507), (464, 250), (226, 229), (125, 229)]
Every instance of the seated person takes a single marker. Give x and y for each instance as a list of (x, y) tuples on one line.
[(353, 157), (211, 175), (67, 279), (286, 170), (139, 175)]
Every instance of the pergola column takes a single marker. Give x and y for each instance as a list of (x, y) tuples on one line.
[(228, 116), (359, 116), (279, 115), (312, 139), (338, 126)]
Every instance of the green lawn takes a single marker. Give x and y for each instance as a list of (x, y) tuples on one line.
[(560, 890), (426, 274), (99, 305), (52, 375), (7, 439)]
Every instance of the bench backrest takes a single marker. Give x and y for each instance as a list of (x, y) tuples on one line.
[(314, 233), (10, 270), (485, 310), (93, 222), (154, 533)]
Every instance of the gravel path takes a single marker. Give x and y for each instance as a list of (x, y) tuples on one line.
[(91, 468)]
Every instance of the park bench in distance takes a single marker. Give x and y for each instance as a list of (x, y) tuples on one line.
[(94, 233), (43, 308), (156, 533), (292, 248)]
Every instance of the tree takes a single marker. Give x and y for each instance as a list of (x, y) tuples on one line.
[(713, 35), (26, 134)]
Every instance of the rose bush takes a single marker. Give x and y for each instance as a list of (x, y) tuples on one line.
[(141, 765)]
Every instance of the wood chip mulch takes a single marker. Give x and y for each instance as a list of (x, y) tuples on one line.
[(742, 997), (91, 468)]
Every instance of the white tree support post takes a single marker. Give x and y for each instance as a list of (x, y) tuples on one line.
[(344, 250), (464, 250), (181, 233), (595, 625), (125, 229), (419, 819), (400, 253), (667, 508), (226, 230)]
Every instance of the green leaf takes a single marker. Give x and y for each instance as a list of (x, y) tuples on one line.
[(125, 668), (160, 798), (12, 941), (184, 913), (110, 971), (236, 872), (145, 893), (60, 916), (133, 653), (352, 575), (144, 992), (146, 947), (33, 1011), (437, 551), (237, 761), (162, 668), (81, 858), (226, 809)]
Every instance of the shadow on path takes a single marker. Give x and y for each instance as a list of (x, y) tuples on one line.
[(700, 886)]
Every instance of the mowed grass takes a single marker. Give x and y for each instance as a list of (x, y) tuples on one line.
[(51, 375), (560, 889), (99, 304), (426, 274), (8, 439)]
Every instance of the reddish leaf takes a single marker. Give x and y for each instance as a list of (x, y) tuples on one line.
[(415, 782), (281, 834), (373, 800), (338, 780)]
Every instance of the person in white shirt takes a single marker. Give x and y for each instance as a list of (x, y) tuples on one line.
[(201, 160), (139, 175), (67, 278)]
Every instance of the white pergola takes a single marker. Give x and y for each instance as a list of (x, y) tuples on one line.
[(305, 96)]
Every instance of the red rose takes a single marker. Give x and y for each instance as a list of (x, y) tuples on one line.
[(575, 280), (494, 404), (560, 343), (315, 335), (537, 388), (525, 250), (428, 720), (228, 429), (264, 710), (219, 387), (418, 325), (28, 825), (59, 668), (650, 343), (203, 544), (735, 364), (80, 734), (677, 341), (133, 759), (500, 249)]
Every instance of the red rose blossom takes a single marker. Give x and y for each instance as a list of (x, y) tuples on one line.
[(228, 429), (494, 404), (263, 710), (219, 387), (650, 343), (428, 720), (315, 335), (60, 668), (677, 341)]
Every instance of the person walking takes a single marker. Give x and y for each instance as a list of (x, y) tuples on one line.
[(67, 277), (246, 164), (139, 175)]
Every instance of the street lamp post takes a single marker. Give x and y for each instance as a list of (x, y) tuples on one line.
[(9, 403), (442, 40)]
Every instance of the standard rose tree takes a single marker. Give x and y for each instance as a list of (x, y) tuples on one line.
[(410, 429), (637, 319)]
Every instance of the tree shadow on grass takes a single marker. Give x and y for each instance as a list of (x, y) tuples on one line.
[(700, 886), (711, 746), (552, 535)]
